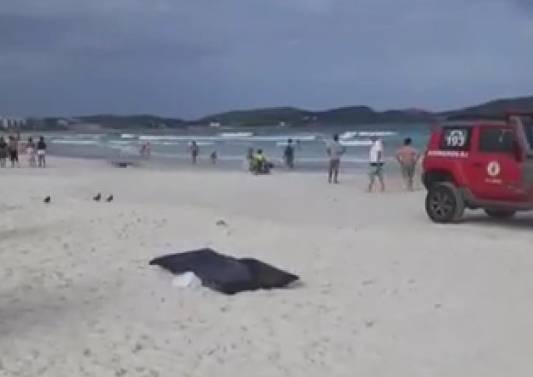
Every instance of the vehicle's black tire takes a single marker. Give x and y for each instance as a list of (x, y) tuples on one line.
[(444, 203), (500, 213)]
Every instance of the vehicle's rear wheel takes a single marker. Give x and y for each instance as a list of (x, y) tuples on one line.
[(500, 213), (444, 203)]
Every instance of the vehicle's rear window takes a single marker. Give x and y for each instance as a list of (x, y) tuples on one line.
[(528, 128), (455, 139), (496, 140)]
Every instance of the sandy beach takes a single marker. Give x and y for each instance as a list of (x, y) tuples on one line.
[(385, 292)]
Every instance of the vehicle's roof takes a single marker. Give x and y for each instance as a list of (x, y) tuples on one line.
[(474, 123)]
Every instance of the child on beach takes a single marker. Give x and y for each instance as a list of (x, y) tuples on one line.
[(41, 152), (407, 157), (3, 152), (334, 150), (30, 151)]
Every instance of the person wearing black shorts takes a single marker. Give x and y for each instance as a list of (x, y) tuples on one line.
[(13, 150), (3, 152), (41, 152)]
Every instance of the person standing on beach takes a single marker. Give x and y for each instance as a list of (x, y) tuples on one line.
[(3, 152), (249, 158), (288, 154), (376, 162), (334, 150), (13, 149), (30, 151), (195, 151), (407, 156), (41, 152)]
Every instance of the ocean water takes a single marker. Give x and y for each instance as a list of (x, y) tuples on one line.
[(231, 145)]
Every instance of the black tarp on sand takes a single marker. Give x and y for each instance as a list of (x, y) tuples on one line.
[(226, 274)]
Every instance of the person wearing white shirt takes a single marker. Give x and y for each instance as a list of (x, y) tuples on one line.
[(335, 150), (376, 162)]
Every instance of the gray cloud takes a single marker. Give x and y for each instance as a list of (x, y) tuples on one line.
[(188, 58)]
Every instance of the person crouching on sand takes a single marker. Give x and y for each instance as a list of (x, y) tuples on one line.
[(260, 165), (334, 150), (376, 162), (407, 157)]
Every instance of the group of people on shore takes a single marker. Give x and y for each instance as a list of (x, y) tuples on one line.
[(257, 162), (13, 147), (406, 155)]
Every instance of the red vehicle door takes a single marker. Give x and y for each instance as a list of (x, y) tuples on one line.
[(495, 171), (524, 125)]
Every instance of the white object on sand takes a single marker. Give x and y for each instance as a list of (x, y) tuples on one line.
[(187, 280)]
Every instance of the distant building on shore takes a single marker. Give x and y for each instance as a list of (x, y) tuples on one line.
[(12, 123)]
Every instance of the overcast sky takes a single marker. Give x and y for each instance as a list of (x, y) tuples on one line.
[(187, 58)]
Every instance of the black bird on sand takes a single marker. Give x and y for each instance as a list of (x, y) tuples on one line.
[(47, 200), (97, 197), (109, 199)]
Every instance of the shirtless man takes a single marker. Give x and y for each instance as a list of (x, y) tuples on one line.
[(407, 157)]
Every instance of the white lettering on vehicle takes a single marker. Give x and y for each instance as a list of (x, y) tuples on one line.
[(456, 138), (453, 154), (493, 169)]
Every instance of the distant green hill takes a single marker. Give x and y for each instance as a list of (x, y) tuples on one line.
[(258, 117), (132, 121), (493, 109), (115, 122), (297, 117), (288, 116)]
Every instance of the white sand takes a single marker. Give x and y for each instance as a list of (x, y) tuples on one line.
[(387, 293)]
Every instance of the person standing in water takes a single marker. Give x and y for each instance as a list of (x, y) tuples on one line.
[(407, 157), (249, 158), (288, 154), (41, 152), (376, 162), (213, 157), (195, 151), (3, 152), (334, 150)]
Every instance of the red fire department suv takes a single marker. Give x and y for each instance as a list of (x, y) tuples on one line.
[(484, 164)]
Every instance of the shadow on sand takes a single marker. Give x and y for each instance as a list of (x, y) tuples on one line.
[(520, 222)]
